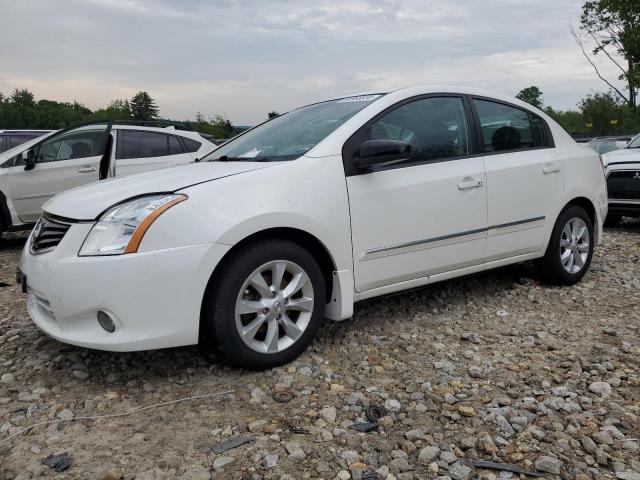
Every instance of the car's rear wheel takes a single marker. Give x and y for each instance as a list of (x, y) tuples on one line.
[(612, 220), (264, 305), (570, 248)]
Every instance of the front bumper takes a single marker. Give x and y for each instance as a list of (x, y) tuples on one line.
[(153, 297)]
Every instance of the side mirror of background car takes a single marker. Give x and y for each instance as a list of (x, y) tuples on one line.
[(374, 152), (29, 160)]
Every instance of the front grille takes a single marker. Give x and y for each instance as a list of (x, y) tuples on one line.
[(624, 185), (47, 234)]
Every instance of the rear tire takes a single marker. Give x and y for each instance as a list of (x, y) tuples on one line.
[(570, 248), (264, 305), (612, 221)]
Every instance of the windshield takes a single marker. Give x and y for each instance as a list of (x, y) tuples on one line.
[(293, 134), (635, 143)]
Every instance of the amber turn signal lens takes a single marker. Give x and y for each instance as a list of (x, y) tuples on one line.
[(137, 236)]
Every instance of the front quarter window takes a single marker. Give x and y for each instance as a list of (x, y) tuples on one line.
[(293, 134)]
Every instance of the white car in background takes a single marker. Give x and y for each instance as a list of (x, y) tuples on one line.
[(622, 169), (33, 172), (296, 219)]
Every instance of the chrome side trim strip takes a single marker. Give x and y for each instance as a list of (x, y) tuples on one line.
[(620, 201), (443, 240)]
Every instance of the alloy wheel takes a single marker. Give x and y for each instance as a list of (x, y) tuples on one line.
[(574, 245), (274, 306)]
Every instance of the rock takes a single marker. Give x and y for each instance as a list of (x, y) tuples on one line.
[(80, 374), (112, 474), (486, 444), (459, 471), (257, 395), (392, 405), (414, 435), (328, 414), (504, 426), (256, 425), (628, 475), (467, 411), (548, 464), (270, 460), (448, 457), (398, 465), (428, 454), (220, 462), (350, 456), (7, 378), (602, 438), (470, 337), (600, 388), (343, 475), (323, 467), (589, 445), (295, 451), (65, 414)]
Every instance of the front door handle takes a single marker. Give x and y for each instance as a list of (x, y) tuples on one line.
[(86, 169), (467, 184), (550, 169)]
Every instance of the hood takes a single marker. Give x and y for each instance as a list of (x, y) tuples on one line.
[(625, 155), (89, 201)]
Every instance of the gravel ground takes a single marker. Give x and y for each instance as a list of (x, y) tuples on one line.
[(491, 367)]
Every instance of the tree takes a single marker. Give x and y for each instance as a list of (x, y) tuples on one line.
[(612, 29), (272, 115), (143, 107), (22, 98), (117, 110), (532, 95), (598, 109)]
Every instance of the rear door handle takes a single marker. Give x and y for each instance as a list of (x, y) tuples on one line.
[(86, 169), (551, 169), (468, 184)]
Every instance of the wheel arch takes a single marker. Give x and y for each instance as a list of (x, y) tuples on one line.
[(306, 240), (588, 207)]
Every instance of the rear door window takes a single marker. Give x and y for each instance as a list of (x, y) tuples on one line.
[(507, 128), (141, 144)]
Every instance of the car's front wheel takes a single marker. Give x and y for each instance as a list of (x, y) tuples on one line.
[(264, 305), (570, 248)]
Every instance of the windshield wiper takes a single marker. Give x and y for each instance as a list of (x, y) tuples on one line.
[(226, 158)]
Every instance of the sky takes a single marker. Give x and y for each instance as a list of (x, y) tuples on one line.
[(243, 59)]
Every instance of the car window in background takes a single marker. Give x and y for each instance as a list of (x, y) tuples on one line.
[(635, 143), (73, 144), (436, 128), (15, 140), (292, 134), (192, 145), (506, 128), (140, 144)]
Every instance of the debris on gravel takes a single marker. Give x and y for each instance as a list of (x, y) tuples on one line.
[(493, 368)]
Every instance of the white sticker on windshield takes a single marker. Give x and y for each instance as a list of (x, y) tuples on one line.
[(359, 98), (254, 152)]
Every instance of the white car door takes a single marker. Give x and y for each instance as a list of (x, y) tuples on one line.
[(525, 178), (424, 215), (142, 150), (65, 160)]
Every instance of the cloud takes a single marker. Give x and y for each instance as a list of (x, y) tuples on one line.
[(245, 58)]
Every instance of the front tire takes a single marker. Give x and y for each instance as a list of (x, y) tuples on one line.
[(570, 248), (264, 305)]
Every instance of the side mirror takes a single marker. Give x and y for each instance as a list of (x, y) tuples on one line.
[(29, 159), (374, 152)]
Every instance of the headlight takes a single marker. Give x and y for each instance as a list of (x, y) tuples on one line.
[(121, 228)]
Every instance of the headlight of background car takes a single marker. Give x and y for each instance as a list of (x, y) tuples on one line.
[(121, 228)]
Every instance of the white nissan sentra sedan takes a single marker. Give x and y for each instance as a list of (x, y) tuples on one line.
[(247, 251)]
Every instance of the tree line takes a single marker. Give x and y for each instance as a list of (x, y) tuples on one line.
[(20, 110)]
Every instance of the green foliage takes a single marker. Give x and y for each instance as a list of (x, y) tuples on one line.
[(22, 98), (532, 95), (272, 115), (613, 28), (116, 110), (143, 107)]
